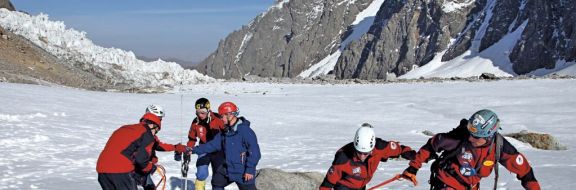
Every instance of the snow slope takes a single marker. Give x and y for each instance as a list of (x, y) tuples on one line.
[(52, 136), (473, 63), (119, 65), (494, 59), (360, 26)]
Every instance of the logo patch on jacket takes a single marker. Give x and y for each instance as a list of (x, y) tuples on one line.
[(467, 156), (467, 170), (357, 171), (519, 160), (488, 163)]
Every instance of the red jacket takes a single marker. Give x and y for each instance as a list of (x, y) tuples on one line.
[(479, 158), (127, 150), (160, 146), (204, 130), (347, 170)]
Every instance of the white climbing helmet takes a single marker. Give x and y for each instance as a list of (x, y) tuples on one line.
[(365, 138), (156, 110)]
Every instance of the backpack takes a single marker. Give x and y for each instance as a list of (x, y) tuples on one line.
[(461, 132)]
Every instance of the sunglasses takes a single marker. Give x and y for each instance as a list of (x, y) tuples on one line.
[(478, 138), (155, 127), (229, 114), (364, 153), (201, 112)]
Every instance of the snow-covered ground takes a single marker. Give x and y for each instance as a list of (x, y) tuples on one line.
[(52, 136), (119, 65)]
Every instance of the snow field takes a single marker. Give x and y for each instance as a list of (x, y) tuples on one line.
[(52, 136)]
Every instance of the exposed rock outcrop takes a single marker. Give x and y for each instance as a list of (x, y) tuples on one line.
[(285, 40), (7, 5), (538, 140), (276, 179), (410, 33), (526, 35)]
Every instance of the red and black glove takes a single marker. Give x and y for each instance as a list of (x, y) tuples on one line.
[(410, 174), (409, 155), (180, 148)]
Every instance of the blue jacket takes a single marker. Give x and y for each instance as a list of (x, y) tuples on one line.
[(240, 148)]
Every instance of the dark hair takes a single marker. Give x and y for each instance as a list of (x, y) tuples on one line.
[(145, 121)]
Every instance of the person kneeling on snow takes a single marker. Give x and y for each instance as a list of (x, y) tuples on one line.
[(146, 180), (240, 146), (126, 153), (355, 163), (469, 153)]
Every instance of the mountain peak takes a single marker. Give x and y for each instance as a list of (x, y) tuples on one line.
[(455, 38)]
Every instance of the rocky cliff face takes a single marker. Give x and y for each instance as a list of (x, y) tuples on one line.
[(409, 33), (550, 35), (7, 5), (517, 36), (285, 40)]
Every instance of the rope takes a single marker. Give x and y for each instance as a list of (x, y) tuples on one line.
[(396, 177), (162, 172)]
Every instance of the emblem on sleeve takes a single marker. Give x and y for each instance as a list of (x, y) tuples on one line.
[(519, 160)]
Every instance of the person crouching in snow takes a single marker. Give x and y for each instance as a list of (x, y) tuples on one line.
[(146, 180), (469, 153), (356, 162), (204, 128), (128, 152), (240, 146)]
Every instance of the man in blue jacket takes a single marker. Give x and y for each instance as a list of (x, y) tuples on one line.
[(240, 147)]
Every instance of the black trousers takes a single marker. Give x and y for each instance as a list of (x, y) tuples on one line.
[(220, 180), (118, 181), (215, 158)]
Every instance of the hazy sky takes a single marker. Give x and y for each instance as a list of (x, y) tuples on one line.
[(185, 29)]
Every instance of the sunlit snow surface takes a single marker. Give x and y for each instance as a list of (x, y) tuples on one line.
[(51, 137)]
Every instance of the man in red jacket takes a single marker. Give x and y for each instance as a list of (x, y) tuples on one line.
[(469, 153), (204, 127), (355, 163), (146, 180), (126, 152)]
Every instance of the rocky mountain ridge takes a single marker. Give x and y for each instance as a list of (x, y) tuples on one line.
[(506, 38)]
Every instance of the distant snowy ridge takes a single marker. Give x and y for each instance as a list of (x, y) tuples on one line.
[(118, 66)]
